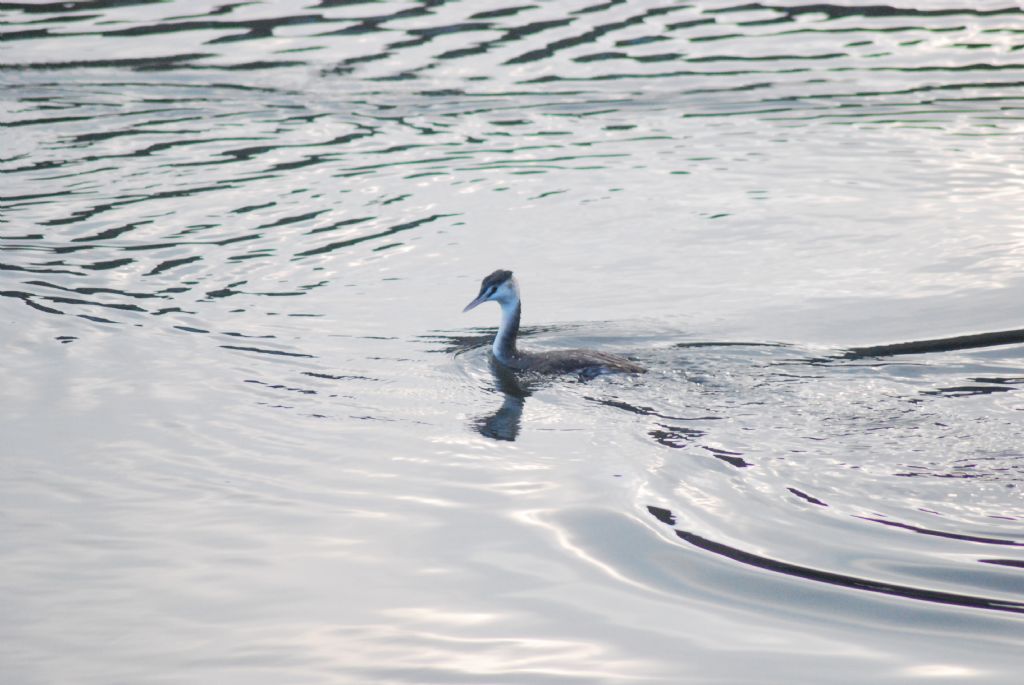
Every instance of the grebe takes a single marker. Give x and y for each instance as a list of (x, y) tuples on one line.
[(501, 287)]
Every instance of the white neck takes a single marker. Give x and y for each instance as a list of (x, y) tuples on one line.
[(504, 346)]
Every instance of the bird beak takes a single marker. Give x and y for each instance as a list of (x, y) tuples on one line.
[(479, 298)]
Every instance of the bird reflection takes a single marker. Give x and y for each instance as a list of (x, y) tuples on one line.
[(504, 423)]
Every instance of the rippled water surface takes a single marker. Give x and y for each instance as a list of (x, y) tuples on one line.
[(249, 437)]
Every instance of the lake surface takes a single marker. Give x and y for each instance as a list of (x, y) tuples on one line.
[(250, 438)]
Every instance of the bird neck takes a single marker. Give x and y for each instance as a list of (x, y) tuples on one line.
[(504, 346)]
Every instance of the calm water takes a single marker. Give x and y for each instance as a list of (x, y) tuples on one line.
[(249, 437)]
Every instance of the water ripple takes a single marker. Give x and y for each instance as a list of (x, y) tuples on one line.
[(225, 228)]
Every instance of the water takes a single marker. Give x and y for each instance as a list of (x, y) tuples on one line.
[(249, 437)]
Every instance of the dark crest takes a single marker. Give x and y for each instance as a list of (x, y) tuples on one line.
[(496, 279)]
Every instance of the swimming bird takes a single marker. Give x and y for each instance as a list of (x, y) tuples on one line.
[(502, 288)]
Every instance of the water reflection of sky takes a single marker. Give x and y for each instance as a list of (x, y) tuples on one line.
[(251, 437)]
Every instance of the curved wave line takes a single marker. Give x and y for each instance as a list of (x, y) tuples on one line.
[(840, 579)]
